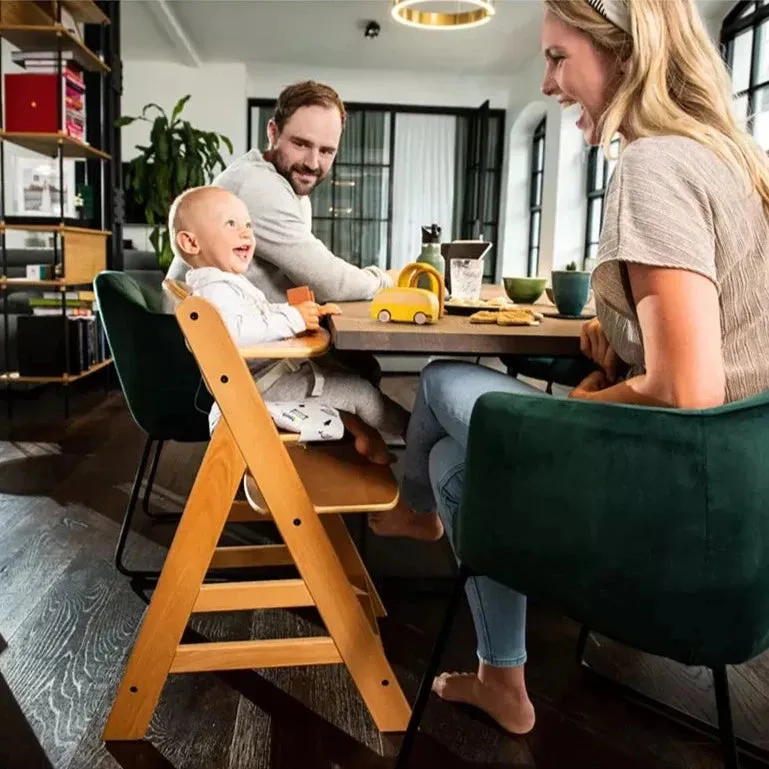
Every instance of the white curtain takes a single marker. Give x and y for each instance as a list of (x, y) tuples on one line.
[(423, 181)]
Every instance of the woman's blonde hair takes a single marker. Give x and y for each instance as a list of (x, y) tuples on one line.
[(675, 81)]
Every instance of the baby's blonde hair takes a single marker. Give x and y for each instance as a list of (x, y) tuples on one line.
[(675, 81), (178, 215)]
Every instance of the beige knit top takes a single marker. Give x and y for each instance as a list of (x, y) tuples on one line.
[(673, 202)]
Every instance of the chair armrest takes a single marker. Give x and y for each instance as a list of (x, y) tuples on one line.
[(588, 503)]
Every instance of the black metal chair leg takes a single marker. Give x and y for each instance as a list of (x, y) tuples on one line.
[(725, 726), (129, 514), (584, 635), (432, 668), (168, 517)]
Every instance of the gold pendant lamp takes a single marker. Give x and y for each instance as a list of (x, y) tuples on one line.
[(443, 14)]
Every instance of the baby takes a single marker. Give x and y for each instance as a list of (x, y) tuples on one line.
[(210, 228)]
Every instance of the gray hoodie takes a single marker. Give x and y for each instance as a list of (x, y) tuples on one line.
[(287, 254)]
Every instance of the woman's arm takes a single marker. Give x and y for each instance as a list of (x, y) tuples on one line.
[(679, 314)]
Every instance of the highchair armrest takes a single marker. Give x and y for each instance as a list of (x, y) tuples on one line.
[(309, 345)]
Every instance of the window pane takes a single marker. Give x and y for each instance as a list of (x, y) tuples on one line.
[(749, 8), (321, 198), (493, 143), (596, 209), (322, 230), (373, 247), (741, 110), (533, 261), (490, 206), (351, 146), (762, 70), (761, 118), (598, 164), (377, 145), (535, 190), (534, 230), (742, 51), (539, 154), (347, 240), (361, 192)]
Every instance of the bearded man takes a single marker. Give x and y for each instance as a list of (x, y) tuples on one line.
[(304, 135)]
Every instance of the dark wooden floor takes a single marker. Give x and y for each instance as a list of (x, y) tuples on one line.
[(68, 619)]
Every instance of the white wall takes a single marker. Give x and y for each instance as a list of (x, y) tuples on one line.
[(217, 103), (265, 81)]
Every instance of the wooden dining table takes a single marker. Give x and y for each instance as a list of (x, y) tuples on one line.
[(355, 329)]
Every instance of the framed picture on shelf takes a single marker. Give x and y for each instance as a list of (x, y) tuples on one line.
[(39, 189)]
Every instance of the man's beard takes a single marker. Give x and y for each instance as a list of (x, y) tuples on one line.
[(287, 172)]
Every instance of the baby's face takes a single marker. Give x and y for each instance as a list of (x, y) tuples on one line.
[(222, 228)]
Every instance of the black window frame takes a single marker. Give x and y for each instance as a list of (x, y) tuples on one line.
[(489, 225), (595, 193), (737, 21), (537, 170)]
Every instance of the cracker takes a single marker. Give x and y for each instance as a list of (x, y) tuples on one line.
[(484, 316), (518, 317)]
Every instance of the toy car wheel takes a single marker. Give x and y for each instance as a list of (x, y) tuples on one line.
[(384, 316), (420, 318)]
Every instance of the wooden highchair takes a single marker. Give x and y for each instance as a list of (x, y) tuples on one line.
[(303, 490)]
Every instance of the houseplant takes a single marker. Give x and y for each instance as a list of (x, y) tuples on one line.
[(177, 157)]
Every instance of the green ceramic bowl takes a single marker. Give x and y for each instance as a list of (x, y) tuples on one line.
[(524, 290)]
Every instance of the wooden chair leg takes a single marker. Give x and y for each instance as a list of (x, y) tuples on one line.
[(351, 560), (177, 590)]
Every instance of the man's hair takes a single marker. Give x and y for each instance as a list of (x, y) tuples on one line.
[(306, 94)]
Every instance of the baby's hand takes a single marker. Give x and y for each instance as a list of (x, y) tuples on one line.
[(330, 309), (310, 312)]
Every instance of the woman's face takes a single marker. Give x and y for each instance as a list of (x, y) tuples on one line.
[(578, 73)]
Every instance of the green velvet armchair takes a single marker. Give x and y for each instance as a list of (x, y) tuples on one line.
[(656, 533), (159, 377)]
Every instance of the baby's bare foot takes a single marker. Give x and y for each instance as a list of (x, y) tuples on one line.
[(513, 712), (404, 522), (373, 447)]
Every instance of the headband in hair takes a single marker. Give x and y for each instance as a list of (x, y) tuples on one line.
[(614, 11)]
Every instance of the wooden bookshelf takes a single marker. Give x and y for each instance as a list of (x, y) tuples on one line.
[(49, 144), (42, 37), (54, 227), (14, 376)]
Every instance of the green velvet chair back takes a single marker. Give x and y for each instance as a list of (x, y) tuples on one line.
[(648, 525), (160, 379)]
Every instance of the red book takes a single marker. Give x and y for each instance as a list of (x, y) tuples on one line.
[(31, 103)]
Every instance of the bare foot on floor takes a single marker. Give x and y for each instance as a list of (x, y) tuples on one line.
[(514, 713), (404, 522)]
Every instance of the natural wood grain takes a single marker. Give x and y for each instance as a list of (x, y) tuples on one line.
[(50, 144), (286, 497), (354, 329), (337, 479), (270, 594)]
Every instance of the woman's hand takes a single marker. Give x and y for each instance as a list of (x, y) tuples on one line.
[(594, 345), (310, 312), (592, 383)]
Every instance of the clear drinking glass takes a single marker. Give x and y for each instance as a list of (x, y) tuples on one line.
[(466, 278)]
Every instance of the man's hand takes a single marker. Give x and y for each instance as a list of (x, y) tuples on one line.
[(329, 309), (310, 312), (594, 345), (592, 383)]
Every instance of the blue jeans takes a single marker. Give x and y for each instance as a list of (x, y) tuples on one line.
[(434, 463)]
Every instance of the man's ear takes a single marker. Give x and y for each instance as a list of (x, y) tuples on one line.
[(272, 133), (187, 243)]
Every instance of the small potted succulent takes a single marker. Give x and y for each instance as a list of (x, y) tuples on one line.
[(571, 290)]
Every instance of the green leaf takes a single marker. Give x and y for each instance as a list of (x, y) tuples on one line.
[(180, 174), (179, 107), (124, 121), (227, 143), (159, 138), (157, 107)]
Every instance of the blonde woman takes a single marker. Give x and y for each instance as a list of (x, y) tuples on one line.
[(681, 282)]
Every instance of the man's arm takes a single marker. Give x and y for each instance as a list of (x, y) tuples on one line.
[(282, 238)]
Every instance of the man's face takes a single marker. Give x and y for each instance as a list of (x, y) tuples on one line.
[(305, 150)]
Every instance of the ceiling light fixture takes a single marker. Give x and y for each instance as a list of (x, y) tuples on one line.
[(466, 13)]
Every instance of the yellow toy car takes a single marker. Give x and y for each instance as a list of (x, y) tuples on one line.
[(408, 304)]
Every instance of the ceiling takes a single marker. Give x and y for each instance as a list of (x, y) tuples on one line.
[(329, 34)]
